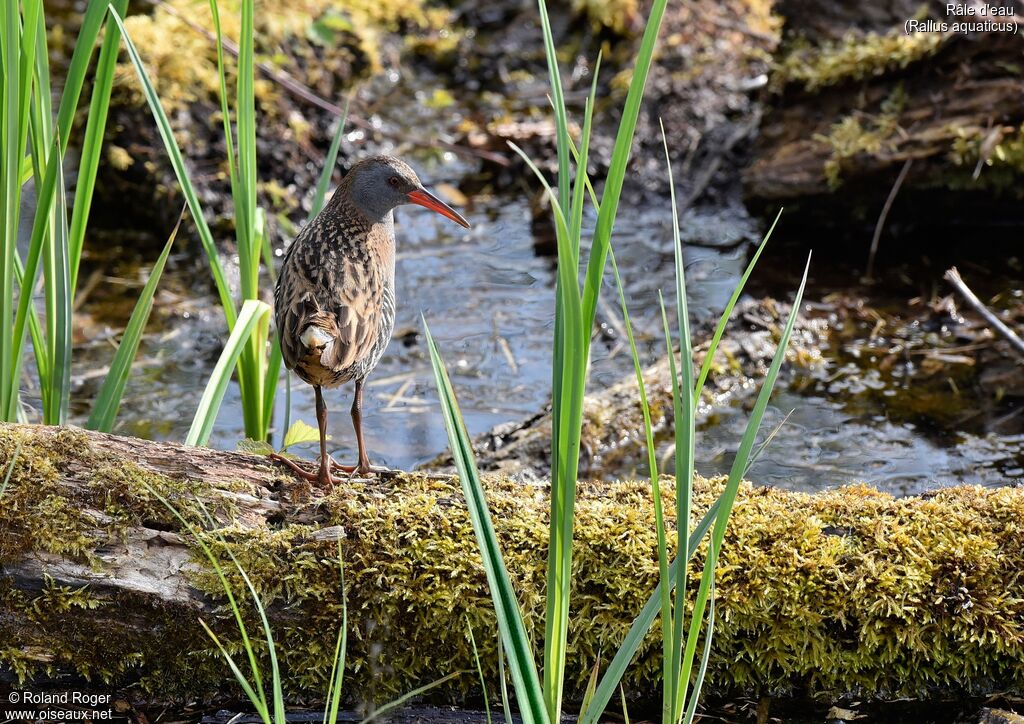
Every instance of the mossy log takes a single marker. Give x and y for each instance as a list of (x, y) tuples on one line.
[(846, 591), (853, 98)]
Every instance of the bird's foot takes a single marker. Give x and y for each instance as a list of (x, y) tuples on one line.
[(362, 469), (322, 477)]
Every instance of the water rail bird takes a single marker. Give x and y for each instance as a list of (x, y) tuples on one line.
[(335, 296)]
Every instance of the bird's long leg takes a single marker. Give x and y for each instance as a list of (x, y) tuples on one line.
[(363, 467), (323, 476)]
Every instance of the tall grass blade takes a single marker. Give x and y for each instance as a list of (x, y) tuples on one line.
[(723, 321), (479, 671), (108, 401), (59, 394), (739, 465), (81, 56), (638, 631), (619, 161), (505, 708), (330, 161), (691, 709), (92, 141), (181, 172), (25, 316), (392, 705), (334, 689), (12, 150), (258, 696), (506, 606), (253, 313), (659, 515), (683, 411), (10, 468), (574, 320), (243, 682)]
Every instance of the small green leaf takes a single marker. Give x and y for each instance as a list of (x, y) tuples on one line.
[(299, 433)]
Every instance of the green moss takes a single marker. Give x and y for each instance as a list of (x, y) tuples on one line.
[(619, 16), (855, 57), (862, 134), (996, 155), (849, 590), (318, 43), (42, 514)]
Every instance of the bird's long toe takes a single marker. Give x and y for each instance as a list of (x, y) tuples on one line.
[(362, 470), (297, 469)]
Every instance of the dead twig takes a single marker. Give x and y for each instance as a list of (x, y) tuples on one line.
[(953, 277), (884, 215)]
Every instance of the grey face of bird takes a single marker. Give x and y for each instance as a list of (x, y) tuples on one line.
[(381, 183)]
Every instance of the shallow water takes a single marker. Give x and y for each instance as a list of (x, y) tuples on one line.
[(487, 293)]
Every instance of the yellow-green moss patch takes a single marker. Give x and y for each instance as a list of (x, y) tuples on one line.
[(855, 57)]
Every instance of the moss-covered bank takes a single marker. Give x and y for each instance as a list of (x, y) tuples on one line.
[(847, 591), (853, 97)]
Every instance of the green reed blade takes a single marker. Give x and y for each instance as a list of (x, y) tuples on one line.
[(570, 371), (337, 678), (558, 102), (659, 515), (691, 709), (330, 161), (60, 310), (253, 312), (108, 401), (617, 168), (391, 705), (277, 690), (638, 630), (245, 196), (10, 188), (479, 671), (739, 465), (684, 411), (723, 321), (181, 172), (81, 57), (225, 110), (582, 157), (27, 277), (506, 606), (258, 696), (243, 682), (92, 141), (505, 708)]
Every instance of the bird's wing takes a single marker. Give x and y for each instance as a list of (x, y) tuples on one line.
[(352, 317), (339, 311)]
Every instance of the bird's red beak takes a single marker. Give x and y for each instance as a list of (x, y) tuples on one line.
[(424, 198)]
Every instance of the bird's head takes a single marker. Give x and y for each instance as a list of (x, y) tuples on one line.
[(380, 183)]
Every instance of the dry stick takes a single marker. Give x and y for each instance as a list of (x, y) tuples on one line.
[(305, 93), (885, 213), (953, 277)]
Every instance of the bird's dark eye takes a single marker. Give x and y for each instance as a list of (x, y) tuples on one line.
[(394, 181)]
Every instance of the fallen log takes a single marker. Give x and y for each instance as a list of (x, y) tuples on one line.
[(845, 591), (854, 96)]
